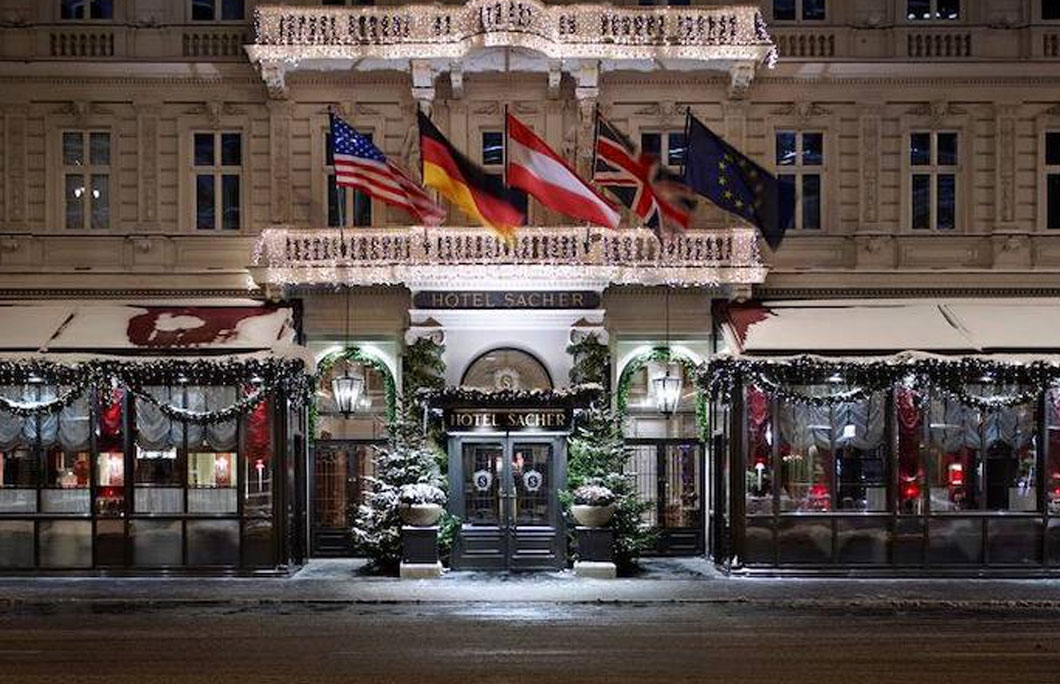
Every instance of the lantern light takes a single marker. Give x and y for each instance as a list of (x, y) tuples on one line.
[(347, 390), (668, 390)]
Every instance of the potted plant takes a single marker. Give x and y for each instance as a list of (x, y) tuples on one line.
[(594, 505), (420, 505)]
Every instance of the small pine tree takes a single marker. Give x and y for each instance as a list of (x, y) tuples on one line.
[(597, 454)]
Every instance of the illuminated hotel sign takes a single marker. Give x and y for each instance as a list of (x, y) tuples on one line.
[(515, 299), (507, 420)]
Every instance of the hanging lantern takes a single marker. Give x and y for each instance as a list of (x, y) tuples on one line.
[(347, 390), (668, 390)]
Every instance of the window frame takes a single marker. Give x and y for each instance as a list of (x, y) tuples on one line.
[(799, 170), (223, 122), (114, 12), (350, 196), (1044, 124), (218, 170), (954, 121), (86, 172), (800, 14), (1039, 13), (217, 10), (933, 170), (501, 169), (664, 134), (962, 13)]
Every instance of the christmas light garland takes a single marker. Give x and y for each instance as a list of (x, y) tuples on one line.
[(576, 394)]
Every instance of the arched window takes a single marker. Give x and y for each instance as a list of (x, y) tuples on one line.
[(506, 369), (368, 420), (643, 418)]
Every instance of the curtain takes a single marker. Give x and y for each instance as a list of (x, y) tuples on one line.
[(11, 426), (868, 418), (75, 425), (154, 432), (221, 436)]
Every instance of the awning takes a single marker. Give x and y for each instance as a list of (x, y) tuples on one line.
[(887, 326), (163, 329)]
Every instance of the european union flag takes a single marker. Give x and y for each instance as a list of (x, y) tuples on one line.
[(734, 182)]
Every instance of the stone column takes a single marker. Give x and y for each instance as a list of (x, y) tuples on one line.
[(280, 114), (587, 94)]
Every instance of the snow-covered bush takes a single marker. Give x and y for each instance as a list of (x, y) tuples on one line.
[(420, 493), (593, 495)]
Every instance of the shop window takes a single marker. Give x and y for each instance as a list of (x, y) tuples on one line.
[(217, 10), (1050, 10), (346, 206), (110, 459), (506, 369), (910, 460), (86, 9), (933, 182), (1052, 180), (933, 10), (833, 457), (790, 10), (668, 147), (1052, 445), (759, 475), (493, 160), (800, 165), (982, 459), (86, 179), (258, 447), (218, 173)]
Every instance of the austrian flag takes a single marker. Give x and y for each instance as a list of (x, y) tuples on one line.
[(539, 171)]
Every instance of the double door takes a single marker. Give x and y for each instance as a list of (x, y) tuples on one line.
[(505, 492), (670, 475)]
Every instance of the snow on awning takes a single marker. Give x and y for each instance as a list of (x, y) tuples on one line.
[(887, 326), (116, 328)]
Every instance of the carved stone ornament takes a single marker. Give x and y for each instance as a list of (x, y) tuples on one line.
[(664, 114), (274, 74), (78, 109), (936, 112), (802, 111), (215, 111), (740, 77)]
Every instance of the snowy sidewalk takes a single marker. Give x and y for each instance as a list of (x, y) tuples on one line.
[(338, 582)]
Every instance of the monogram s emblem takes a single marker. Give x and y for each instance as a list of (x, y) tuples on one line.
[(533, 480), (482, 480)]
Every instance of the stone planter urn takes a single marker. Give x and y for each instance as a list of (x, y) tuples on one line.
[(593, 516), (420, 515)]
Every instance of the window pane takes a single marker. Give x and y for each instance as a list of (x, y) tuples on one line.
[(67, 469), (362, 209), (947, 199), (910, 420), (231, 149), (232, 10), (921, 202), (522, 201), (72, 9), (813, 10), (492, 147), (204, 149), (334, 2), (1050, 9), (18, 468), (99, 148), (784, 10), (786, 201), (812, 149), (918, 9), (230, 200), (156, 467), (651, 143), (675, 153), (336, 199), (920, 149), (100, 201), (811, 201), (102, 9), (947, 143), (329, 156), (202, 10), (73, 149), (759, 453), (1052, 190), (1052, 148), (204, 203), (786, 150), (949, 9), (75, 202)]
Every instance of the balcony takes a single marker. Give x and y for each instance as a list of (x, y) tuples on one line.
[(479, 35), (473, 258)]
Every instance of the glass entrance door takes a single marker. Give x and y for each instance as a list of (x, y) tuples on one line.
[(339, 484), (669, 474), (509, 508)]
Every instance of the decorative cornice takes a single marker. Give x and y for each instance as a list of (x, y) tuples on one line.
[(901, 292), (123, 293)]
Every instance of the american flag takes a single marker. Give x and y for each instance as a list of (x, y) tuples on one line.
[(359, 164)]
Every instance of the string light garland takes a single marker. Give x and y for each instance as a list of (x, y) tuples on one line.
[(575, 394), (1018, 383), (267, 377)]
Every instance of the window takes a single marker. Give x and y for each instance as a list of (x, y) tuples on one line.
[(86, 179), (672, 143), (217, 10), (933, 185), (800, 163), (86, 9), (341, 3), (1052, 180), (346, 206), (789, 10), (506, 369), (493, 160), (1050, 10), (218, 161), (933, 10)]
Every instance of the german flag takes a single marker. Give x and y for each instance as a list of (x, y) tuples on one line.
[(464, 184)]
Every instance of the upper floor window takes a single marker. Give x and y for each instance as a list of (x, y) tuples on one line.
[(933, 10), (800, 164), (1052, 180), (790, 10), (672, 3), (86, 9), (668, 148), (347, 206), (493, 160), (343, 3), (1050, 10), (933, 182), (86, 179), (218, 172), (218, 10)]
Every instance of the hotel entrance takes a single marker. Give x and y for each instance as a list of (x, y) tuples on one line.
[(504, 489)]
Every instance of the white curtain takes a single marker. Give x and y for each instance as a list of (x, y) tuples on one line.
[(75, 425), (954, 425), (11, 426), (154, 431), (221, 436), (805, 425)]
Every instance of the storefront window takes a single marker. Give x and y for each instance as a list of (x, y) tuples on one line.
[(910, 420), (110, 461), (1052, 471), (759, 474), (258, 447)]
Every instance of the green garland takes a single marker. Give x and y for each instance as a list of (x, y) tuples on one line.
[(663, 355), (356, 355)]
